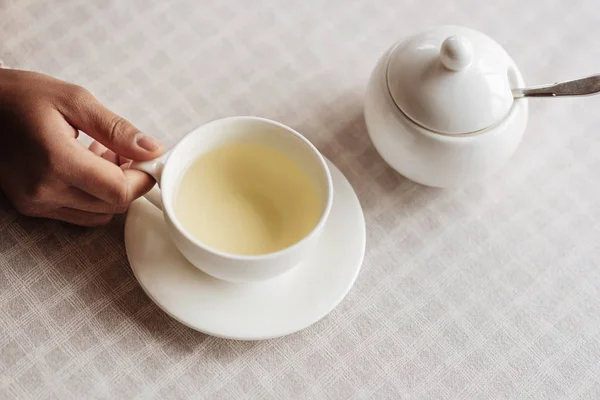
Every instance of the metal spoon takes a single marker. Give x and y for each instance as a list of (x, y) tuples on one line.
[(578, 87)]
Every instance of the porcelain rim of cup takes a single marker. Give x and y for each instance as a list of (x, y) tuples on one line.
[(168, 208)]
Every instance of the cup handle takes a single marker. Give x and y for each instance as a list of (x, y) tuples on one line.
[(154, 168)]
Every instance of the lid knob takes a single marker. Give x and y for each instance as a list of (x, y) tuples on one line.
[(456, 53)]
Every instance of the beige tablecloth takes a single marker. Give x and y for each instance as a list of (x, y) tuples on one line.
[(490, 291)]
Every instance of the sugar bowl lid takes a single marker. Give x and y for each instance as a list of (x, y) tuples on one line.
[(451, 80)]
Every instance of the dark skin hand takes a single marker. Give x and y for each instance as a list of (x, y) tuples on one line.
[(46, 172)]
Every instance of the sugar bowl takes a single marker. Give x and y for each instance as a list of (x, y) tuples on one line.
[(439, 106)]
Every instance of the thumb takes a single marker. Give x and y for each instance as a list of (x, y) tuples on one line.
[(84, 112)]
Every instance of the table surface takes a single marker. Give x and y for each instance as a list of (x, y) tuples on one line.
[(488, 291)]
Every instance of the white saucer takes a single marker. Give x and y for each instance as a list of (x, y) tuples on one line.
[(250, 311)]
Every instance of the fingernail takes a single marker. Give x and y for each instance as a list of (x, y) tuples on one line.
[(148, 143)]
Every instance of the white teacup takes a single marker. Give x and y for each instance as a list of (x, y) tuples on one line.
[(169, 169)]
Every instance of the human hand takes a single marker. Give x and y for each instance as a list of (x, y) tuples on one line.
[(46, 172)]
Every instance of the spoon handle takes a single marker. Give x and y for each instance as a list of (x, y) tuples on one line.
[(578, 87)]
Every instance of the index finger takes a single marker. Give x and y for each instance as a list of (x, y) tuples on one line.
[(139, 183), (105, 180)]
